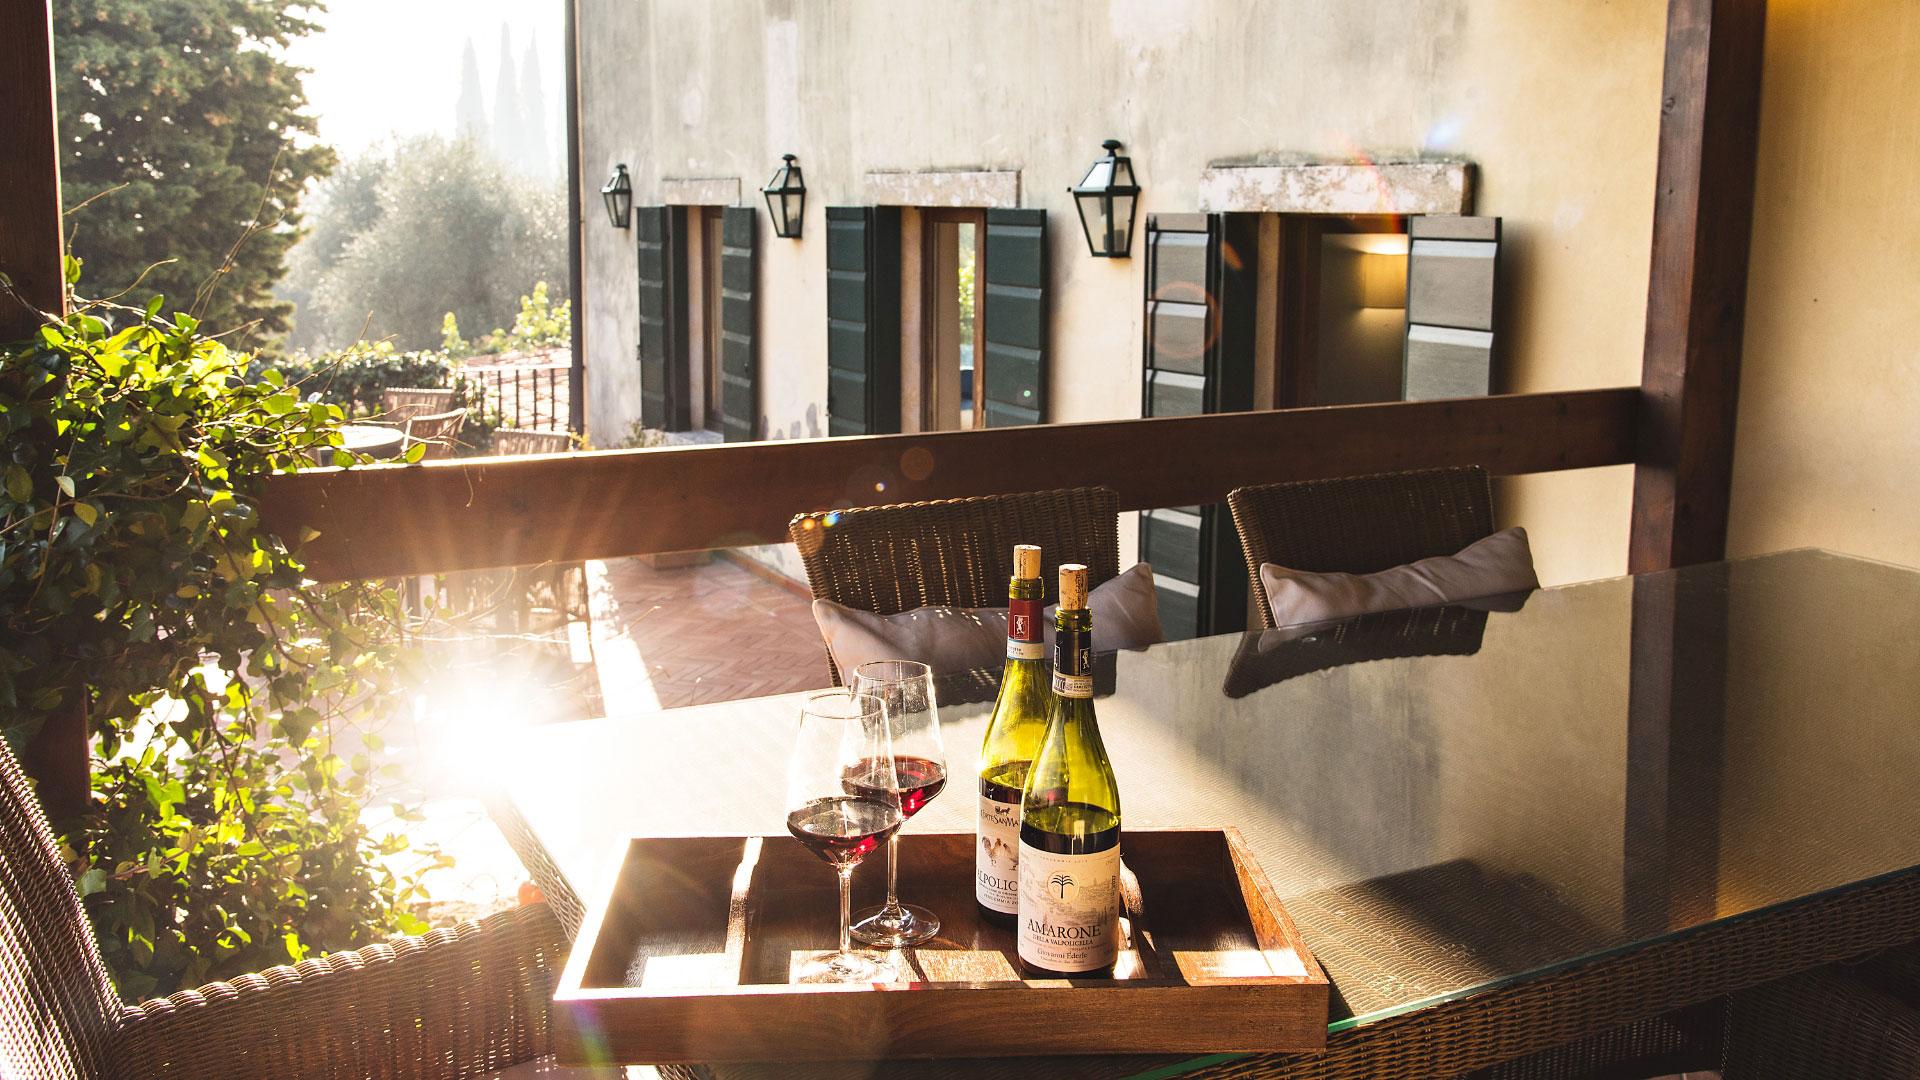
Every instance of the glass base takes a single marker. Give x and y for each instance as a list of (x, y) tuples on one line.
[(844, 967), (896, 927)]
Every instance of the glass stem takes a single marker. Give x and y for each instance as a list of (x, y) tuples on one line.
[(893, 870), (846, 899)]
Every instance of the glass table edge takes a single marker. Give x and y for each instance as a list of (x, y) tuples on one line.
[(1354, 1023)]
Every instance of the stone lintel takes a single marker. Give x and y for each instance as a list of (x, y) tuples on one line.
[(1435, 187), (992, 190), (701, 191)]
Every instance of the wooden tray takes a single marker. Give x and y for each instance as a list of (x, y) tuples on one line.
[(687, 960)]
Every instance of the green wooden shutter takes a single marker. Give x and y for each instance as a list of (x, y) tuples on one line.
[(739, 337), (662, 348), (1199, 359), (863, 320), (1453, 278), (1014, 318)]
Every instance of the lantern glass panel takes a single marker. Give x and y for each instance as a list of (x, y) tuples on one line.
[(1099, 176), (1123, 173), (794, 210), (1094, 217), (1122, 223)]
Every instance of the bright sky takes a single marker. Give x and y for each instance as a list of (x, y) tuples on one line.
[(383, 67)]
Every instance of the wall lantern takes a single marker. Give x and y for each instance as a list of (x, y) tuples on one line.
[(786, 199), (1105, 198), (619, 196)]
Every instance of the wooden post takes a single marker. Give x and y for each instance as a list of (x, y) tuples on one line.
[(1696, 291), (30, 241), (31, 256), (576, 274)]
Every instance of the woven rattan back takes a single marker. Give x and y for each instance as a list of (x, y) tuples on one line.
[(440, 432), (399, 404), (523, 441), (889, 559), (57, 1010), (1360, 524)]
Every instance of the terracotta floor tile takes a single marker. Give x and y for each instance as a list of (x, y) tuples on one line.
[(700, 634)]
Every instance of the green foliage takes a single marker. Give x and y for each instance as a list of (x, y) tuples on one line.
[(451, 231), (540, 324), (966, 299), (451, 342), (233, 702), (182, 122), (355, 377)]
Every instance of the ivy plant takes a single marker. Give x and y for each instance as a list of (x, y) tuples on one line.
[(234, 704)]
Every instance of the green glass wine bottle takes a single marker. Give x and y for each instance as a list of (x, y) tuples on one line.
[(1019, 719), (1070, 816)]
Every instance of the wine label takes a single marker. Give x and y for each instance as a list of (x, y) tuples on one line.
[(1023, 620), (996, 857), (1073, 686), (1073, 664), (1025, 632), (1069, 909)]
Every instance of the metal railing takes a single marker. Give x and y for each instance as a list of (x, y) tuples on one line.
[(535, 397)]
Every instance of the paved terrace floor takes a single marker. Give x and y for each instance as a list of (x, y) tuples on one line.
[(671, 637)]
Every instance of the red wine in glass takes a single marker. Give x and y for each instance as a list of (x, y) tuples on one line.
[(917, 779), (844, 830)]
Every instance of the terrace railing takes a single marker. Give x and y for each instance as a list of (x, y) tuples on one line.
[(391, 520), (533, 397)]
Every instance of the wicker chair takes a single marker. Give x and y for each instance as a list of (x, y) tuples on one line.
[(889, 559), (458, 1002), (1821, 1026), (399, 404), (1360, 524), (513, 441), (440, 432)]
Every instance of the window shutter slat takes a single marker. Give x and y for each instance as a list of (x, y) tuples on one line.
[(1199, 359), (739, 334), (662, 348), (1453, 278), (1014, 318), (863, 320)]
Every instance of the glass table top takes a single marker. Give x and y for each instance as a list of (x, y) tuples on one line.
[(1446, 800)]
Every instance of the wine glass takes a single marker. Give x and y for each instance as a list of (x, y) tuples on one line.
[(905, 687), (842, 734)]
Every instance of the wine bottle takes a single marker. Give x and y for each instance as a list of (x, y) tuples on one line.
[(1070, 816), (1019, 719)]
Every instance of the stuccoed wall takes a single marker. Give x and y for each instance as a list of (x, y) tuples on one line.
[(1556, 104), (1828, 445)]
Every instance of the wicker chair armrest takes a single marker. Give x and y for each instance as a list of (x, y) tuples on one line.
[(460, 1001)]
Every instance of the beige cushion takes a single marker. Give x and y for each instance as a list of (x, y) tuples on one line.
[(1126, 615), (1501, 563)]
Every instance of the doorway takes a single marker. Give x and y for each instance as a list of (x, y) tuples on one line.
[(952, 371), (1340, 303)]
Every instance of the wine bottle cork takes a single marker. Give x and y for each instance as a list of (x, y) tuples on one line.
[(1026, 561), (1073, 587)]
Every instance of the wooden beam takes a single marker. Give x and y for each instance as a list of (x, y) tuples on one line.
[(390, 520), (1696, 292), (32, 258), (30, 240), (576, 226)]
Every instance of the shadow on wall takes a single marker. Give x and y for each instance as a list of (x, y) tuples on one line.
[(794, 431)]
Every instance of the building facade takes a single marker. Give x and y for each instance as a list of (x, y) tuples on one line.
[(1286, 149)]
